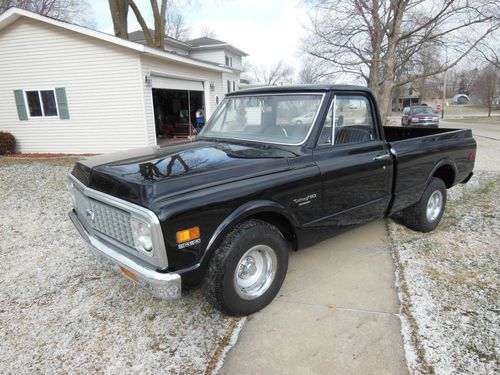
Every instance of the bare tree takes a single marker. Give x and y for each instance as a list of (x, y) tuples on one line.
[(314, 70), (486, 86), (207, 32), (75, 11), (489, 49), (270, 75), (119, 13), (159, 16), (176, 25), (376, 39)]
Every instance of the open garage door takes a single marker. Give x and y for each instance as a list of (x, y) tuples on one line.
[(176, 84), (179, 107)]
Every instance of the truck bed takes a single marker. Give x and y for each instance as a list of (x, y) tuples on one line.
[(399, 133), (420, 151)]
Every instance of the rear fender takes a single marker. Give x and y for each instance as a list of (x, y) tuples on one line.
[(444, 162)]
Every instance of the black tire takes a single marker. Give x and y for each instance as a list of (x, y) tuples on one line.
[(219, 284), (415, 217)]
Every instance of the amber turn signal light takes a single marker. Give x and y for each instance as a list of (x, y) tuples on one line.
[(187, 234), (129, 274)]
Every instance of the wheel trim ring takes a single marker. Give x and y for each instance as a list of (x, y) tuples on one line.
[(434, 206), (263, 276)]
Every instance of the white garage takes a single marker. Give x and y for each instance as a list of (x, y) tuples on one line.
[(108, 94)]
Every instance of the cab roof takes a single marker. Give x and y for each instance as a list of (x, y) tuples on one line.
[(300, 88)]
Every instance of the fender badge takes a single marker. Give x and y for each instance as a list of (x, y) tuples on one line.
[(304, 200), (190, 243)]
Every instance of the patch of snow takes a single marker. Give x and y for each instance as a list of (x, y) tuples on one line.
[(62, 312), (450, 299), (232, 342)]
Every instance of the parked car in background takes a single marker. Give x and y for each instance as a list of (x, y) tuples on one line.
[(306, 119), (421, 115)]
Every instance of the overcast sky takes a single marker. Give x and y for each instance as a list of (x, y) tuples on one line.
[(268, 30)]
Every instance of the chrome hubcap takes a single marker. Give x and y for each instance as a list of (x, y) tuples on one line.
[(434, 205), (255, 272)]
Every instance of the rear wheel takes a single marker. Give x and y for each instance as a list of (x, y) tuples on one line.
[(248, 269), (426, 214)]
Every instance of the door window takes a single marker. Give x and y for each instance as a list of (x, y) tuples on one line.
[(349, 120)]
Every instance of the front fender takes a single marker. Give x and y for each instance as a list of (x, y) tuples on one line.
[(246, 210)]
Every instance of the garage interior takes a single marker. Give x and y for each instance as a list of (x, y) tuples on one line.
[(176, 103)]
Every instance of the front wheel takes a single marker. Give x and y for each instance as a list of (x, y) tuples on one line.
[(247, 270), (425, 215)]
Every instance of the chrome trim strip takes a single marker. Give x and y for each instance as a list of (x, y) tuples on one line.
[(334, 114), (313, 123), (159, 250), (163, 285)]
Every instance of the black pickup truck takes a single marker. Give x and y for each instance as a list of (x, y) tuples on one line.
[(224, 210)]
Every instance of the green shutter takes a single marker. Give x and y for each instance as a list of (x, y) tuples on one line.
[(21, 106), (62, 103)]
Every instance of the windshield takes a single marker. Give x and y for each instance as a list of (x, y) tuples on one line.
[(283, 119), (422, 110)]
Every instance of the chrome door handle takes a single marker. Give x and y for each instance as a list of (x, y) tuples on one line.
[(382, 157)]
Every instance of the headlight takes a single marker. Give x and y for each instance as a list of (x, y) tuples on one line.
[(141, 232), (414, 119), (435, 118)]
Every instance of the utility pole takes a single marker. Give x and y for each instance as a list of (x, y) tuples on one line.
[(444, 94)]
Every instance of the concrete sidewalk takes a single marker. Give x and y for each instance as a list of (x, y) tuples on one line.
[(336, 313)]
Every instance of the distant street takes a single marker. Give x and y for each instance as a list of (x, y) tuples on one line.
[(481, 129)]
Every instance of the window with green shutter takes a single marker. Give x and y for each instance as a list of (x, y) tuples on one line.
[(42, 103), (21, 107), (62, 103)]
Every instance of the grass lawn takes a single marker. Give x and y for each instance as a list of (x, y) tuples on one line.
[(465, 109)]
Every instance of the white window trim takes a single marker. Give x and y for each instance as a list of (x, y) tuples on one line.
[(41, 103)]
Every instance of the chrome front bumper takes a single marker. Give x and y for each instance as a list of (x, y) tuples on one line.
[(161, 285)]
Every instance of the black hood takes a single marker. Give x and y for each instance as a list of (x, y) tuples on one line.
[(149, 174)]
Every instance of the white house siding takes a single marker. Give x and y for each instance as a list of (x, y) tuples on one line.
[(152, 66), (216, 56), (103, 85), (237, 64)]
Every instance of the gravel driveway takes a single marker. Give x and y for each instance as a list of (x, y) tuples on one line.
[(62, 312)]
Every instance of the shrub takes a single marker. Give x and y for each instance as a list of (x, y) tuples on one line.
[(7, 142)]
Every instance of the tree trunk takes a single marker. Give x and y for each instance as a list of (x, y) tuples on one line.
[(119, 14), (142, 22), (384, 100)]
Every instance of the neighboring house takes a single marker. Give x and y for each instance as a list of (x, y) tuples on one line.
[(205, 49), (69, 89), (405, 96)]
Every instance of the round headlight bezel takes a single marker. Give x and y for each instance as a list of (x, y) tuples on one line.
[(142, 235)]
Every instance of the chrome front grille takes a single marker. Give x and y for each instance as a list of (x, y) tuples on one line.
[(108, 220)]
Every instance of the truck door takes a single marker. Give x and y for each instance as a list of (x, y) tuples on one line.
[(355, 164)]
